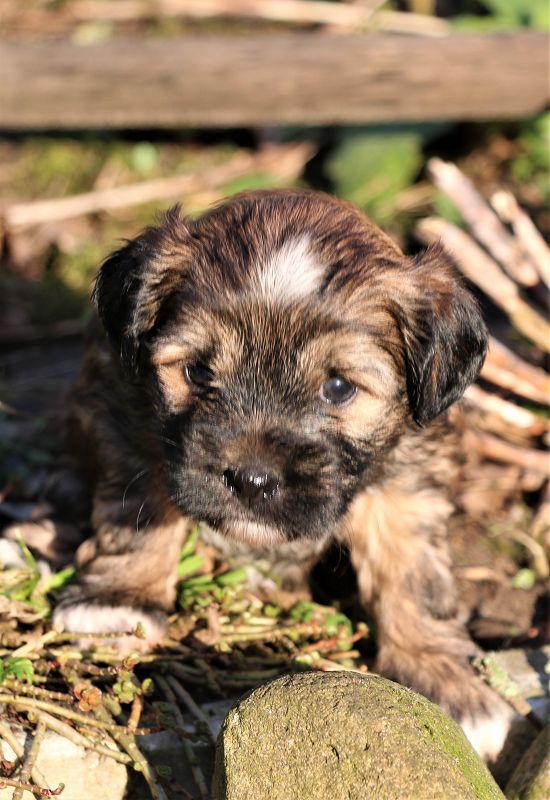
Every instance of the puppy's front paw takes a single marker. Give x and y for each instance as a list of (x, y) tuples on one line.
[(488, 730), (89, 617)]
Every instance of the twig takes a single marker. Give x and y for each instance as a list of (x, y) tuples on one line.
[(65, 730), (36, 691), (537, 552), (417, 24), (527, 234), (9, 737), (297, 11), (512, 382), (484, 223), (82, 719), (285, 161), (507, 370), (35, 644), (497, 677), (479, 574), (190, 704), (191, 757), (30, 760), (540, 529), (508, 412), (480, 268), (497, 450), (135, 714), (28, 787), (128, 742)]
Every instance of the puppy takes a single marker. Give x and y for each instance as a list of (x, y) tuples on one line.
[(280, 370)]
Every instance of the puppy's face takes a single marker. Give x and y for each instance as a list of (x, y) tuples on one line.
[(286, 344)]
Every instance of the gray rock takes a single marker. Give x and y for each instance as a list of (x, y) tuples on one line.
[(531, 778), (86, 775), (165, 749), (344, 736), (529, 669)]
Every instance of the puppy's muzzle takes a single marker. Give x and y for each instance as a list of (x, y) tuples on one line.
[(251, 485)]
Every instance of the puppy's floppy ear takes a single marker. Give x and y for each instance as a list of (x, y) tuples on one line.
[(135, 282), (445, 336)]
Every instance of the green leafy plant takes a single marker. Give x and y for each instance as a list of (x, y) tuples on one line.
[(507, 15), (532, 165), (19, 668), (370, 169)]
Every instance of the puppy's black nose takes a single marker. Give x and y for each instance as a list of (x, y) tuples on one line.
[(251, 484)]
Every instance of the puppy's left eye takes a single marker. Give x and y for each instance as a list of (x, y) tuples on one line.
[(199, 376), (336, 391)]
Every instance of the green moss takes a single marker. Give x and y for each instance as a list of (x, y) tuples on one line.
[(345, 736)]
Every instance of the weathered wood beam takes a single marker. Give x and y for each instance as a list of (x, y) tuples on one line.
[(271, 79)]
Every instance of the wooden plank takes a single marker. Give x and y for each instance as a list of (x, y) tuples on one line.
[(271, 79)]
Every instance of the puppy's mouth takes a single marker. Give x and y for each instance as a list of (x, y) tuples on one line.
[(252, 532)]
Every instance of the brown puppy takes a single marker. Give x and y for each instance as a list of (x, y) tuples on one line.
[(279, 370)]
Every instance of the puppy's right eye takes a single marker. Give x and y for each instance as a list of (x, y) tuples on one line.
[(198, 376), (337, 392)]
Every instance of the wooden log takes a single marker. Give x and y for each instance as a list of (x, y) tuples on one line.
[(214, 81)]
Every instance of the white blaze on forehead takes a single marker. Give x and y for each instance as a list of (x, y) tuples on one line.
[(291, 273)]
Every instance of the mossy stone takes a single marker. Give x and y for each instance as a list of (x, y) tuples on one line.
[(344, 736), (531, 778)]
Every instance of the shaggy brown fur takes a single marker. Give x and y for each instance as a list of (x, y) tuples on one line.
[(280, 370)]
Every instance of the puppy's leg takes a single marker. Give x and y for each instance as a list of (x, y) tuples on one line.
[(128, 572), (399, 551)]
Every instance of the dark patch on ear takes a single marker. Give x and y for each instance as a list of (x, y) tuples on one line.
[(445, 337), (134, 283)]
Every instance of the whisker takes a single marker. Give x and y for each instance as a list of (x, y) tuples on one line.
[(131, 483), (169, 441), (155, 511), (139, 514)]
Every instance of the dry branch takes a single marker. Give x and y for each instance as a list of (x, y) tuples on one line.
[(483, 222), (540, 529), (338, 16), (399, 22), (527, 234), (296, 11), (70, 733), (480, 268), (7, 735), (126, 740), (30, 760), (509, 413), (29, 787), (193, 761), (509, 371), (284, 162), (495, 449)]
